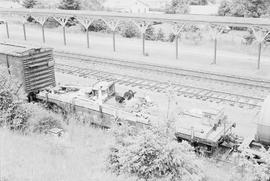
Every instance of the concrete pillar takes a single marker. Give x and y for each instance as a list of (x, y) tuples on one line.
[(176, 46), (43, 34), (7, 29), (259, 55), (87, 38), (143, 43), (114, 49), (24, 32), (64, 35)]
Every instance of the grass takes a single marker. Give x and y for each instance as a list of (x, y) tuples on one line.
[(80, 155)]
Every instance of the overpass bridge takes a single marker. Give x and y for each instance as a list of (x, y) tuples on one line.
[(216, 24)]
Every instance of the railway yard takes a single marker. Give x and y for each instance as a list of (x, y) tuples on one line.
[(219, 108)]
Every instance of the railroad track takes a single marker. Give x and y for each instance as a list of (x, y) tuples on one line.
[(159, 86), (217, 78)]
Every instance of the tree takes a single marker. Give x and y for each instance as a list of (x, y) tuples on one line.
[(70, 5), (29, 3), (178, 7), (92, 4), (244, 8), (224, 8)]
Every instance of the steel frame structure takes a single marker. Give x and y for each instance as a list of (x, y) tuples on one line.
[(216, 24)]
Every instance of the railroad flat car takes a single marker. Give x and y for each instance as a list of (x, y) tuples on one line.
[(32, 66)]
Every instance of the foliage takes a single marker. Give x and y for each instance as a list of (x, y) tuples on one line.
[(178, 7), (198, 2), (171, 37), (29, 3), (244, 8), (70, 5), (98, 25), (92, 4), (248, 169), (150, 33), (160, 35), (152, 154), (224, 8), (129, 30), (24, 117)]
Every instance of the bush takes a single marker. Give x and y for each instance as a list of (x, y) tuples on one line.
[(160, 35), (171, 37), (247, 169), (23, 117), (97, 26), (129, 30), (151, 154), (149, 34)]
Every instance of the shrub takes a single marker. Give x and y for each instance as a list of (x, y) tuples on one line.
[(247, 169), (40, 119), (129, 30), (171, 37), (149, 34), (25, 117), (160, 35), (98, 25), (151, 154)]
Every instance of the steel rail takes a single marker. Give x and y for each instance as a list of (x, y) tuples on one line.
[(192, 91), (194, 19), (223, 78)]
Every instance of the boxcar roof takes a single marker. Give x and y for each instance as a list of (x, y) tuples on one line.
[(19, 50)]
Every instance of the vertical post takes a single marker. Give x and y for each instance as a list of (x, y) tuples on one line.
[(43, 34), (143, 42), (215, 51), (87, 36), (7, 29), (114, 41), (176, 46), (64, 35), (259, 55), (8, 65), (24, 32)]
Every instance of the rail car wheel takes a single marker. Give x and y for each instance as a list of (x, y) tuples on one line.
[(32, 97)]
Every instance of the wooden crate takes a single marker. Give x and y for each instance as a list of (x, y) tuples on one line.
[(32, 66)]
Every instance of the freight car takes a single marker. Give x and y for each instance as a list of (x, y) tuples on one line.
[(33, 66)]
